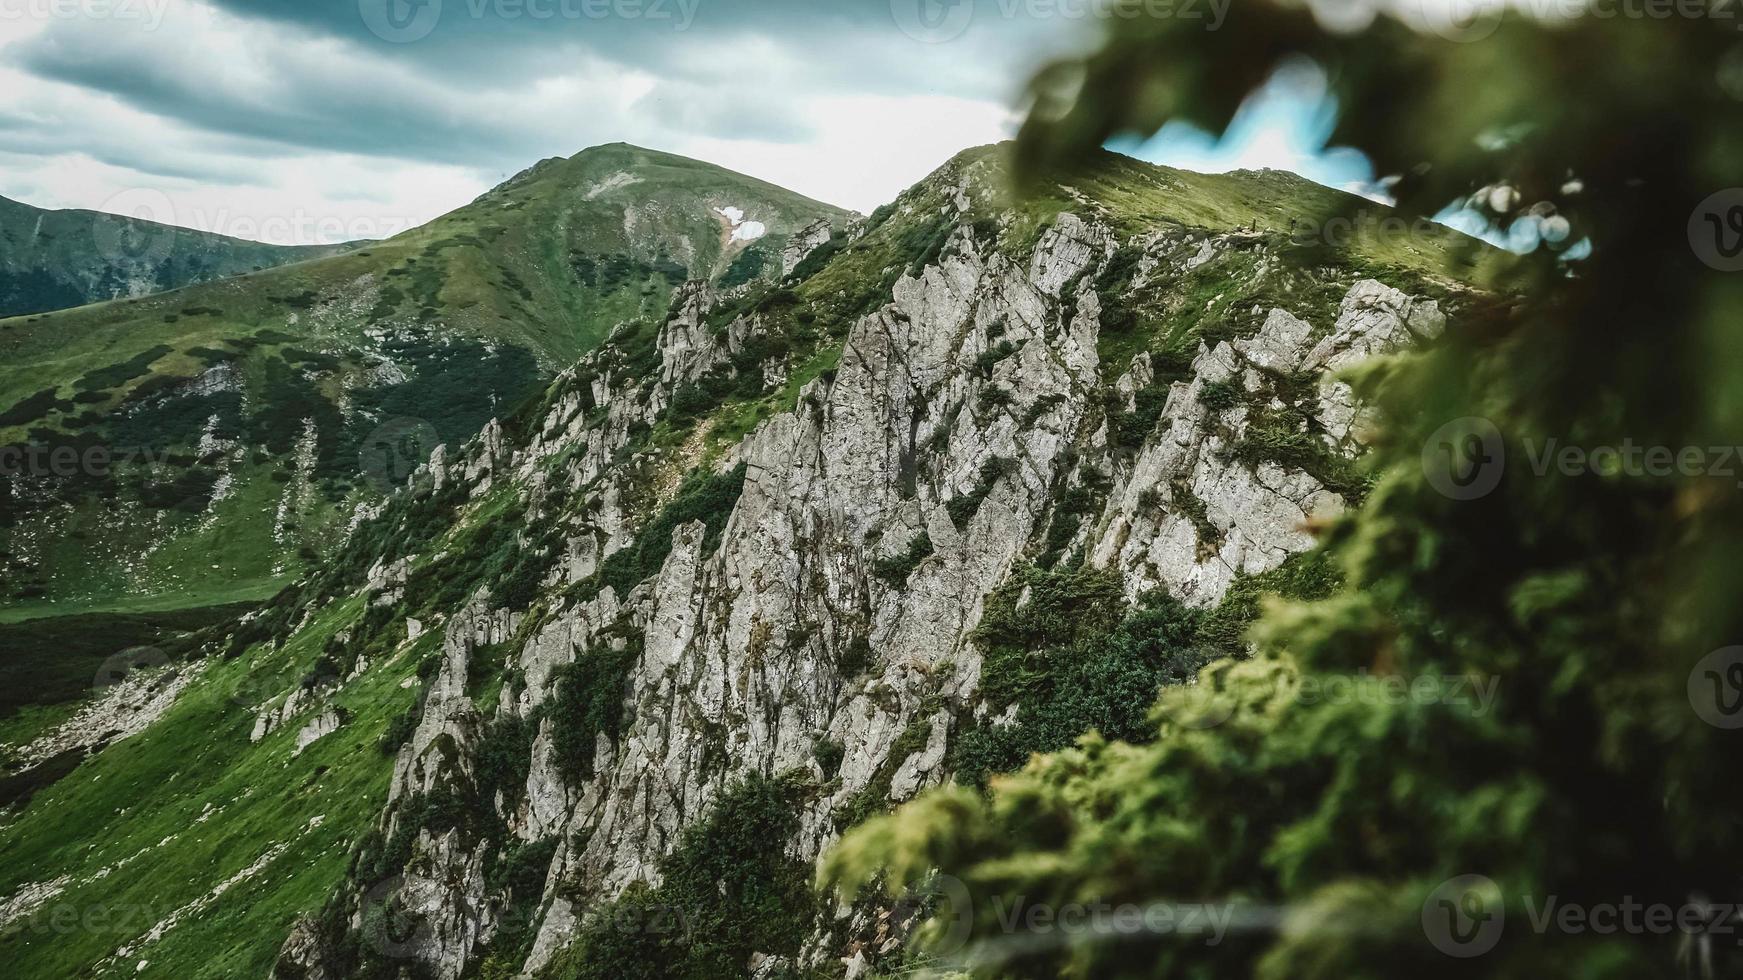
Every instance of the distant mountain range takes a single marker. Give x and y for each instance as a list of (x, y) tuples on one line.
[(54, 260)]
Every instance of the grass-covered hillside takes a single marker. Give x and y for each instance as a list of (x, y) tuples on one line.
[(55, 260), (216, 437)]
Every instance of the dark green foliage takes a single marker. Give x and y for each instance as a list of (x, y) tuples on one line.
[(37, 290), (1046, 403), (188, 490), (520, 568), (894, 569), (316, 360), (875, 795), (703, 497), (521, 869), (1219, 395), (286, 399), (1061, 606), (175, 422), (741, 378), (963, 508), (993, 397), (812, 264), (1068, 300), (54, 659), (119, 374), (924, 241), (408, 523), (212, 355), (399, 731), (1128, 430), (1289, 437), (1075, 506), (749, 264), (727, 890), (1312, 576), (507, 553), (855, 657), (984, 364), (300, 301), (828, 754), (1113, 287), (455, 385), (1210, 537), (517, 876), (1103, 681), (590, 701), (35, 407), (614, 271), (502, 762), (634, 350), (1591, 604)]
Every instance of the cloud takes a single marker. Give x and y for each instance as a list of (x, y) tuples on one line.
[(263, 101), (272, 109)]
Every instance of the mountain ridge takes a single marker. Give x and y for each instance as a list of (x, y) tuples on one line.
[(976, 474)]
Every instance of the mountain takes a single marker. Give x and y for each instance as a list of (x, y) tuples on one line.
[(53, 260), (233, 427), (590, 694)]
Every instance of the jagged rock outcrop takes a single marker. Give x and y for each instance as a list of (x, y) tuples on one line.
[(304, 955), (958, 415), (319, 727), (803, 244)]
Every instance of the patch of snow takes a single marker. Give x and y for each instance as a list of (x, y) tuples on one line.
[(742, 230)]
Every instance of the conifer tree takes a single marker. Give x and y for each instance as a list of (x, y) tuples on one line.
[(1428, 835)]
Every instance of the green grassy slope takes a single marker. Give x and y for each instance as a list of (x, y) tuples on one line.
[(175, 814), (257, 411)]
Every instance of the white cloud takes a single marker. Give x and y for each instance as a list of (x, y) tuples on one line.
[(865, 149), (246, 123)]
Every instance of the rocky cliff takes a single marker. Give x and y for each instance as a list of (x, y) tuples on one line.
[(775, 562), (836, 601)]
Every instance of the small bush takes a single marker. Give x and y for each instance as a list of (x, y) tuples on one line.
[(589, 702), (894, 570), (1219, 395)]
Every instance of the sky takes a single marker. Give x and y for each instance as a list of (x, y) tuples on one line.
[(304, 121)]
